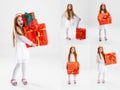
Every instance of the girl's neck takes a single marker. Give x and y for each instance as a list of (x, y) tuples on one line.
[(20, 27), (72, 53)]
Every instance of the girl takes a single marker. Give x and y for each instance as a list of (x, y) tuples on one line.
[(72, 63), (101, 64), (71, 19), (22, 55), (102, 10)]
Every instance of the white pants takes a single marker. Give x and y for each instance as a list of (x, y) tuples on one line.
[(69, 77), (101, 71), (23, 67), (70, 24), (102, 27)]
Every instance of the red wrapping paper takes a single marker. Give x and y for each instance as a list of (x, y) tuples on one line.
[(42, 35), (73, 68), (104, 18), (80, 33), (32, 22), (31, 34), (110, 58)]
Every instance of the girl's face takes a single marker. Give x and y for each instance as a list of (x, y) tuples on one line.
[(72, 50), (100, 50), (103, 7), (20, 21), (69, 6)]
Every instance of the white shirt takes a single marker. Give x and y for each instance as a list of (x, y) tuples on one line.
[(21, 39), (100, 59), (72, 58)]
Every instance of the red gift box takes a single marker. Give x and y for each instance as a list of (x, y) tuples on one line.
[(80, 33), (31, 34), (104, 18), (42, 35), (32, 22), (73, 68), (110, 58)]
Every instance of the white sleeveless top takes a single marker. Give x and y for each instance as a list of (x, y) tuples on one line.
[(72, 58)]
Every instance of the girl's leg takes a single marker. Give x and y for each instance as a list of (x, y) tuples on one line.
[(100, 29), (69, 79), (99, 74), (103, 77), (13, 80), (15, 70), (67, 35), (23, 70), (75, 79), (105, 32), (24, 74)]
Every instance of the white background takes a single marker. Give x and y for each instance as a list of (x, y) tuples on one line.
[(46, 69)]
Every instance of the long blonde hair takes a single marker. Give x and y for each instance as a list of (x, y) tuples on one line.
[(17, 28), (68, 11), (75, 54)]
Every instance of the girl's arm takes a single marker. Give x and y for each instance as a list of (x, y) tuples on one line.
[(13, 35), (25, 40), (98, 17), (78, 17), (97, 59)]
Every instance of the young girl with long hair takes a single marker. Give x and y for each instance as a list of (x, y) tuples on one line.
[(71, 19), (103, 10), (72, 57), (21, 53), (101, 64)]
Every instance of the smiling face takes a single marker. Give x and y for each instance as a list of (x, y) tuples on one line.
[(20, 21)]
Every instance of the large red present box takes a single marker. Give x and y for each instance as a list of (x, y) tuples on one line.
[(31, 34), (80, 33), (37, 34), (110, 58), (73, 68), (33, 20), (104, 18), (42, 35)]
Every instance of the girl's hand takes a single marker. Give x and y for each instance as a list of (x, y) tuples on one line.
[(34, 45)]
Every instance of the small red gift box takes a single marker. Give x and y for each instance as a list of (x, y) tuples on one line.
[(110, 58), (33, 20), (80, 33), (73, 68), (42, 35), (104, 18)]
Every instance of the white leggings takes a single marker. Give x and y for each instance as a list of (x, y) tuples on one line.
[(69, 77), (71, 23), (102, 27), (16, 70), (101, 75)]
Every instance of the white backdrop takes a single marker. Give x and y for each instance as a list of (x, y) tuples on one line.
[(57, 49)]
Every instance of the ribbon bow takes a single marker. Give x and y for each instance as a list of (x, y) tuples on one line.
[(29, 18)]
